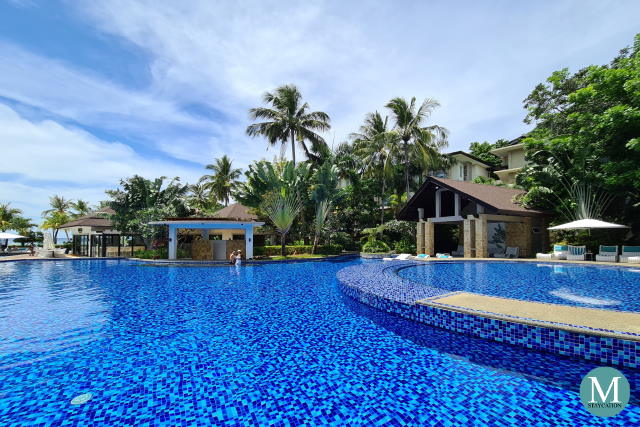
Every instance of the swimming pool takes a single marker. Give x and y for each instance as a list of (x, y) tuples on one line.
[(273, 343), (613, 288)]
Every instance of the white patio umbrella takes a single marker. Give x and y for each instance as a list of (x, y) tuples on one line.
[(10, 236), (586, 224)]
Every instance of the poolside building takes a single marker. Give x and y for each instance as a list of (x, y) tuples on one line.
[(214, 238), (94, 236), (484, 219)]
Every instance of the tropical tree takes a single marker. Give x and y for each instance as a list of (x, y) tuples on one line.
[(289, 119), (58, 204), (223, 179), (324, 191), (426, 141), (140, 201), (586, 140), (23, 227), (53, 221), (376, 147), (7, 216), (200, 199), (282, 207), (80, 208)]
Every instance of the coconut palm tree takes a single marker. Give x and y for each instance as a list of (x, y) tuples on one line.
[(282, 207), (81, 208), (426, 141), (58, 204), (377, 147), (223, 179), (7, 216), (290, 120)]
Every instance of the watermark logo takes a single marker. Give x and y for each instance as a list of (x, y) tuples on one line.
[(604, 391)]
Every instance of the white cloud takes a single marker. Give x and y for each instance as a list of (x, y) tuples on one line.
[(349, 58), (49, 158)]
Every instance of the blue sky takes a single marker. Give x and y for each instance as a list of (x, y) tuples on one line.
[(91, 92)]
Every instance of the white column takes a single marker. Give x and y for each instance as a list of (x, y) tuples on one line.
[(456, 199), (438, 204), (173, 242), (248, 241), (420, 214)]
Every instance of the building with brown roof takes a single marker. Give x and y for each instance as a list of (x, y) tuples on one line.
[(490, 216), (94, 236)]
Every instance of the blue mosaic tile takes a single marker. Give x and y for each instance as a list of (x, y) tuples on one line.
[(269, 344), (379, 285)]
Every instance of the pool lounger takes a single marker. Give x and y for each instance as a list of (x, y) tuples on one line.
[(607, 254), (401, 257), (559, 252)]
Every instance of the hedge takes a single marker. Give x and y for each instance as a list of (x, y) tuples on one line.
[(297, 249)]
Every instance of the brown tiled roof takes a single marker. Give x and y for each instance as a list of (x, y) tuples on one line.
[(501, 199), (99, 218), (235, 212)]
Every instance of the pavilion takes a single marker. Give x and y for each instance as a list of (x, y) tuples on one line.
[(229, 229), (490, 217)]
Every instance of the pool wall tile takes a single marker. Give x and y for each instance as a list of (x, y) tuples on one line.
[(377, 285)]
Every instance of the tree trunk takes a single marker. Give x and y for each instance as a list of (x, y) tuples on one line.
[(55, 236), (283, 247), (316, 240), (406, 166), (293, 147), (382, 202)]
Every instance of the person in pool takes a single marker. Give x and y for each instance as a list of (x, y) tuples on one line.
[(235, 258)]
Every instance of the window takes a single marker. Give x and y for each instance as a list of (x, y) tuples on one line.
[(465, 172)]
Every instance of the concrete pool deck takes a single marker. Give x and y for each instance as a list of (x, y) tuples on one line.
[(602, 322)]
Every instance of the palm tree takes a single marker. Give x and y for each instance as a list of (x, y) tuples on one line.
[(54, 221), (223, 179), (324, 191), (282, 207), (8, 216), (290, 120), (426, 140), (58, 204), (377, 147), (81, 208)]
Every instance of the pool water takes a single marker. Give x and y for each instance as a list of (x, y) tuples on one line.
[(613, 288), (257, 344)]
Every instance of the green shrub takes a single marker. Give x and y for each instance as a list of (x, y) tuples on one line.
[(160, 253), (297, 249), (375, 246), (405, 246), (345, 240)]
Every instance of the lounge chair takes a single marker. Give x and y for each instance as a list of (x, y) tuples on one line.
[(559, 252), (441, 256), (510, 252), (459, 251), (421, 256), (577, 253), (628, 252), (401, 257), (607, 254), (634, 259)]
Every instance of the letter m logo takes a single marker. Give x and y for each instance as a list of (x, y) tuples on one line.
[(595, 387)]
